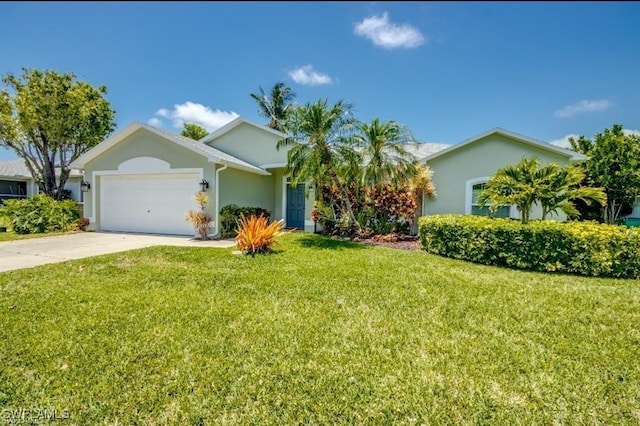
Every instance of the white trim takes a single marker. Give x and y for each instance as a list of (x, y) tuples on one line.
[(217, 215), (468, 195), (285, 178), (235, 123), (273, 166), (572, 155)]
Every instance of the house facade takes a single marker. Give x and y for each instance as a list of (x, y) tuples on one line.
[(461, 171), (144, 179), (16, 182)]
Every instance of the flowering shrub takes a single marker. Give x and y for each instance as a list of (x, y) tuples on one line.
[(582, 248)]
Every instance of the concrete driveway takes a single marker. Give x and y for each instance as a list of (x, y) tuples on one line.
[(38, 251)]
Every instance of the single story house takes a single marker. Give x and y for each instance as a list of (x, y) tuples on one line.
[(144, 179), (461, 171), (16, 181)]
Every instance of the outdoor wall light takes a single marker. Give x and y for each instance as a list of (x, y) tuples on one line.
[(204, 185), (85, 186)]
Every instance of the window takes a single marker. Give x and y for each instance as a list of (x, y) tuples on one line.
[(10, 190), (476, 189)]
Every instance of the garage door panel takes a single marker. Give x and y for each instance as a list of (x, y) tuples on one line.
[(147, 203)]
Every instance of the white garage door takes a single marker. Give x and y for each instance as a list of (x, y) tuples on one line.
[(148, 203)]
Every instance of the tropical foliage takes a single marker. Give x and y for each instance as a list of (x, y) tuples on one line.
[(200, 219), (49, 120), (256, 234), (614, 165), (527, 184), (384, 158), (230, 215), (275, 106)]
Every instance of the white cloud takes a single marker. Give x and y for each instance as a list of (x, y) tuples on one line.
[(564, 142), (308, 76), (386, 34), (191, 112), (155, 122), (583, 107)]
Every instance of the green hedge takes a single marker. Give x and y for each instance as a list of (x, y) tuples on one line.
[(230, 214), (40, 214), (583, 248)]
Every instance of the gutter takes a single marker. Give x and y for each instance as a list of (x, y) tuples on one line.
[(217, 215)]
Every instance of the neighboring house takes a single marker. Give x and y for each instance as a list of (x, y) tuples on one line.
[(16, 181), (144, 179), (461, 171)]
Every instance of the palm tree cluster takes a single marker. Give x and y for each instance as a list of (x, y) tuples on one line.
[(552, 187), (351, 163)]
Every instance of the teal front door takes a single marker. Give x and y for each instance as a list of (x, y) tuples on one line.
[(295, 206)]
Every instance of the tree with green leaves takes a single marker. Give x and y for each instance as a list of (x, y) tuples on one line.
[(321, 153), (50, 119), (527, 184), (194, 131), (385, 159), (614, 165), (276, 106)]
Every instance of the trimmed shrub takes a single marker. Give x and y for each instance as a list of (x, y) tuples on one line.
[(230, 218), (582, 248), (41, 214)]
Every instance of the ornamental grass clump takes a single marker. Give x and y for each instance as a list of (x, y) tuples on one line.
[(200, 219), (256, 234)]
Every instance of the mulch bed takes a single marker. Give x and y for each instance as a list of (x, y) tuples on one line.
[(405, 243)]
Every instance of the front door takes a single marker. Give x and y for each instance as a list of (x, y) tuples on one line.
[(295, 206)]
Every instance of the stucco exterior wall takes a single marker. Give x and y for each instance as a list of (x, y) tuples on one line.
[(248, 190), (251, 144), (476, 160), (142, 143)]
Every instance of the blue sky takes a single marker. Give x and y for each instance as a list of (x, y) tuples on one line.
[(447, 71)]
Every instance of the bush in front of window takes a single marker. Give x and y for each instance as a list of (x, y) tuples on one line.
[(230, 218), (41, 214), (581, 248)]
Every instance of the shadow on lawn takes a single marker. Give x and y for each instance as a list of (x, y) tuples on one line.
[(320, 242)]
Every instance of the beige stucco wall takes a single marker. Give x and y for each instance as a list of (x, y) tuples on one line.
[(143, 143), (479, 159), (251, 144), (248, 190)]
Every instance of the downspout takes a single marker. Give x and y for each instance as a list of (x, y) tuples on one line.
[(217, 215)]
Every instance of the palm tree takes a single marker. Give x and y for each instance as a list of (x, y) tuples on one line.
[(421, 186), (275, 106), (516, 185), (526, 184), (384, 158), (562, 187), (321, 148)]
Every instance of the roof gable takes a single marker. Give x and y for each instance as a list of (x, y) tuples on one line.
[(571, 155), (235, 123), (213, 155)]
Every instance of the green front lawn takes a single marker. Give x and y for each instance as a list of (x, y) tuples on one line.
[(322, 332)]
